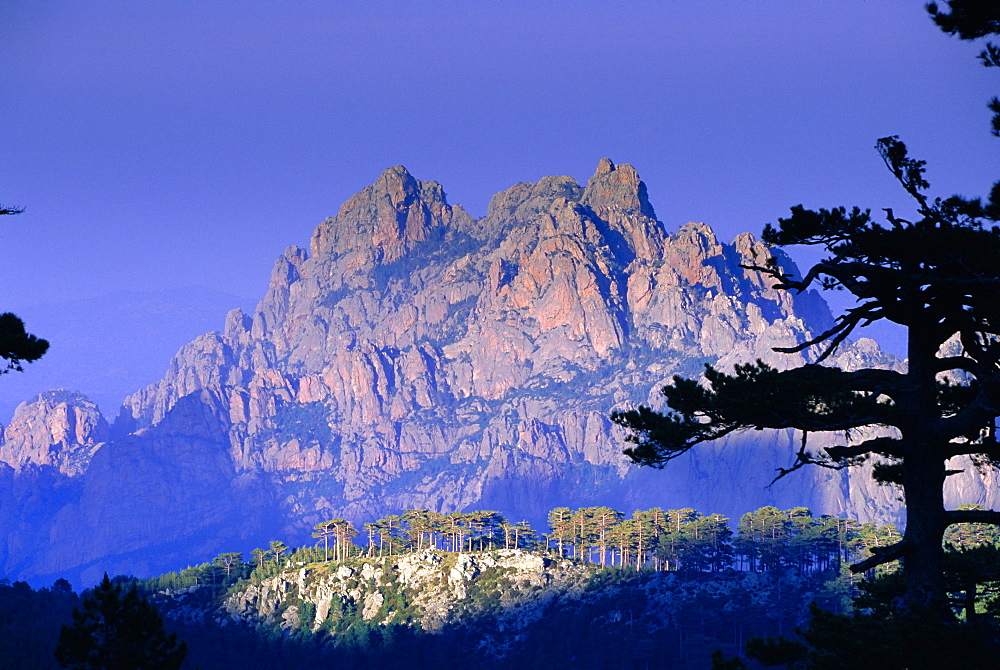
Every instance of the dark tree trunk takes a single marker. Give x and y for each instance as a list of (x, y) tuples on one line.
[(923, 480), (923, 561)]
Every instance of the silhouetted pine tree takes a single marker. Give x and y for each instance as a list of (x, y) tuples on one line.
[(118, 630)]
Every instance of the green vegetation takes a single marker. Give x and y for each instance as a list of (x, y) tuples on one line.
[(30, 622), (682, 541), (116, 628), (665, 588), (937, 277)]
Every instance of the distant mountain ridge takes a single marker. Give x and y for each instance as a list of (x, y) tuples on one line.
[(417, 357), (110, 345)]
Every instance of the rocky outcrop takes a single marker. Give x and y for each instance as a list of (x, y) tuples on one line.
[(59, 429), (507, 609), (437, 359), (416, 357), (427, 589)]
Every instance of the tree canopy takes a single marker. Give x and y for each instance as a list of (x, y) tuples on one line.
[(17, 346), (937, 275), (118, 629)]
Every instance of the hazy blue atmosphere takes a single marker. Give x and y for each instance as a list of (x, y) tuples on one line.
[(162, 145)]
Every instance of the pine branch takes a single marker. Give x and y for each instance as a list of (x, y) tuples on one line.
[(862, 316), (963, 363), (889, 446), (804, 458), (881, 555), (971, 516), (5, 210), (970, 420)]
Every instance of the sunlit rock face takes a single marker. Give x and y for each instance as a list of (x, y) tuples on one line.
[(417, 357), (440, 585), (58, 429)]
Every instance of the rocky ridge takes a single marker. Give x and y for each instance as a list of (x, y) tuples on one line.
[(428, 589), (416, 357), (60, 429), (503, 607)]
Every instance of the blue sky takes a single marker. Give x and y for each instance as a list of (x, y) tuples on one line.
[(160, 144)]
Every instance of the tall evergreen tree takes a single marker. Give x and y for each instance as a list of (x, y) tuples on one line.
[(604, 519), (454, 528), (937, 276), (344, 532), (392, 532), (561, 524), (277, 547), (117, 629), (229, 561), (420, 523)]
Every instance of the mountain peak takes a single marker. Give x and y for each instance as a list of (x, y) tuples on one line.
[(420, 358), (388, 217), (398, 171), (617, 187), (398, 184), (60, 428)]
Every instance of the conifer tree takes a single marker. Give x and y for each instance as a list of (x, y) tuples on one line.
[(937, 276), (458, 529), (229, 561), (325, 530), (524, 535), (277, 547), (259, 555), (117, 629), (17, 345), (343, 532), (561, 523), (392, 532), (419, 524), (604, 518)]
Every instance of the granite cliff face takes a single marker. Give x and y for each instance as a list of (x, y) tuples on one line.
[(438, 586), (417, 357), (60, 429)]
